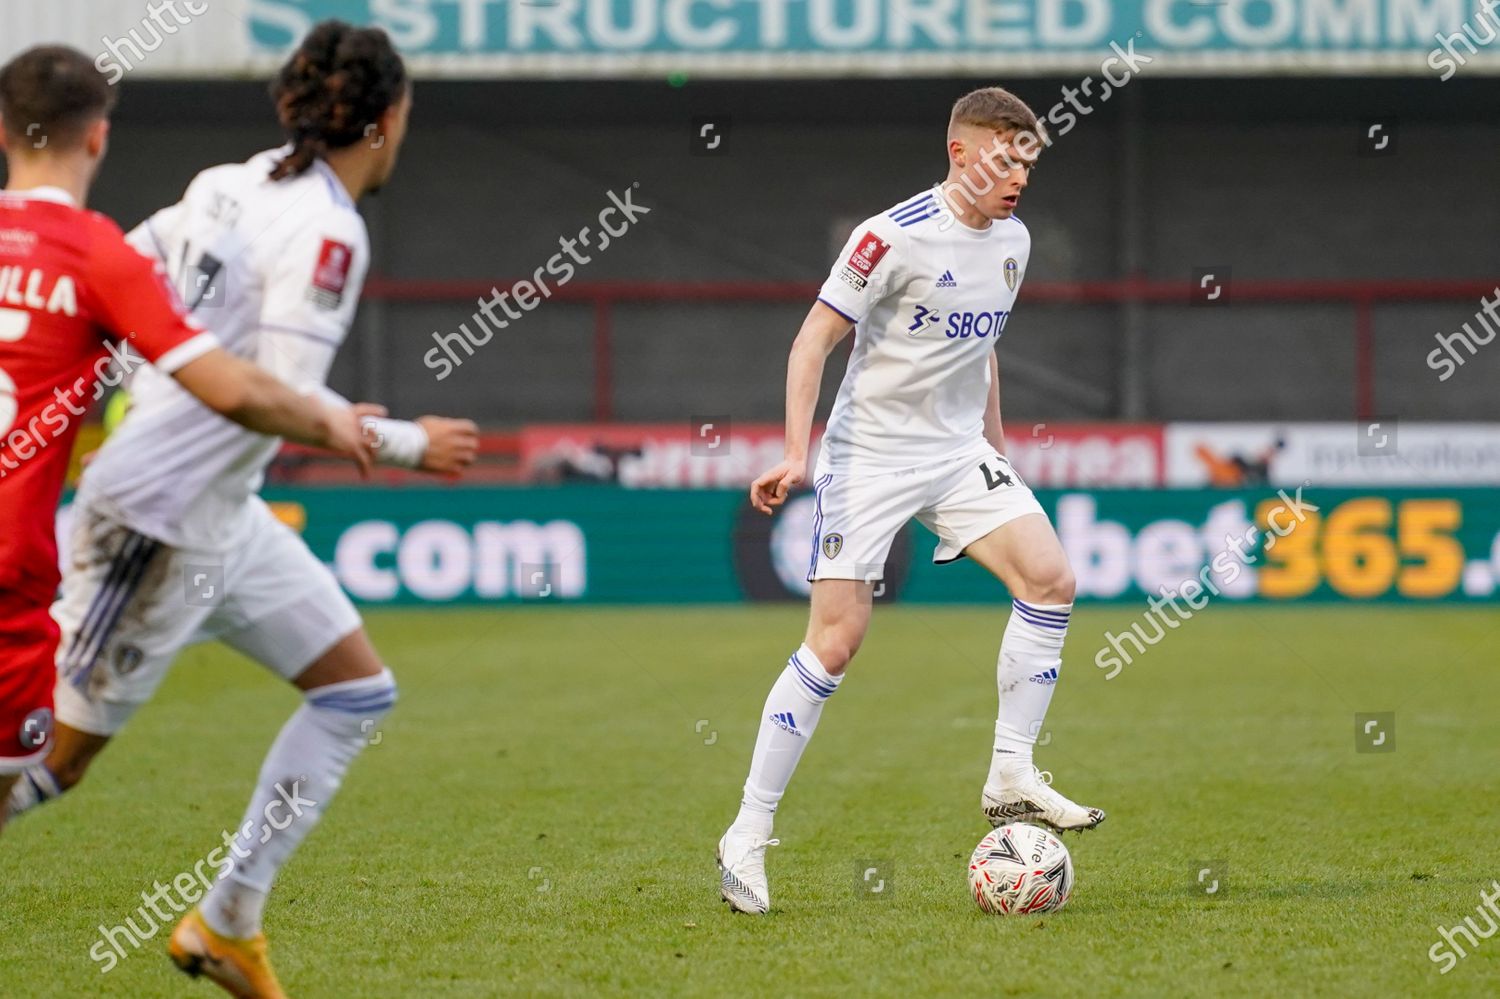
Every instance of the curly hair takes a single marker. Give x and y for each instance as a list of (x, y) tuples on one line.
[(333, 89)]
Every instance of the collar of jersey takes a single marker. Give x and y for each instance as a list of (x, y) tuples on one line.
[(973, 233), (44, 193), (969, 231), (340, 192)]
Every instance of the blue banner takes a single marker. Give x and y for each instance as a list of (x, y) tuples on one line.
[(762, 37)]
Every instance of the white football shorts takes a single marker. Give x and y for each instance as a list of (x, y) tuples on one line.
[(960, 500), (129, 604)]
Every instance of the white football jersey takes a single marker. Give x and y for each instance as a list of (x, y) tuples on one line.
[(929, 297), (274, 269)]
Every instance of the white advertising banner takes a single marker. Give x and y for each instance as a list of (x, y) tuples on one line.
[(1377, 452)]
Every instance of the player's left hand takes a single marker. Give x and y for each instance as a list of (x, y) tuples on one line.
[(452, 445)]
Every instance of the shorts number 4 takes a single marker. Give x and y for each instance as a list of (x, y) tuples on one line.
[(998, 472)]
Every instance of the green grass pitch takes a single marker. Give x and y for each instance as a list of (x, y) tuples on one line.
[(538, 816)]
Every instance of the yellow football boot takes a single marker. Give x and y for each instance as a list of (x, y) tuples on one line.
[(239, 967)]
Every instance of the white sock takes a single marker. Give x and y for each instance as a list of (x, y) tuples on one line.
[(36, 786), (300, 776), (1030, 660), (787, 722)]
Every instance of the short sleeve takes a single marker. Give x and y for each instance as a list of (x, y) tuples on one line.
[(135, 304), (865, 270), (312, 290)]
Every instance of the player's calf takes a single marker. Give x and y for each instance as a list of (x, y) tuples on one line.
[(299, 778), (788, 720), (1026, 555), (1028, 670), (836, 626)]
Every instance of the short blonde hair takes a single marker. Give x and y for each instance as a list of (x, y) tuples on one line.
[(996, 109)]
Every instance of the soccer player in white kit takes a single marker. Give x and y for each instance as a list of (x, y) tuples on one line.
[(915, 431), (171, 543)]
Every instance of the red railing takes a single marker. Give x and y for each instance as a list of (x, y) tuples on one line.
[(1362, 296)]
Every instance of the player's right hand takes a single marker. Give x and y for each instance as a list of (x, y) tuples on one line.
[(771, 489)]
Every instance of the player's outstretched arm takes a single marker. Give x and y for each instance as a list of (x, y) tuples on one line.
[(136, 303), (255, 399), (821, 331)]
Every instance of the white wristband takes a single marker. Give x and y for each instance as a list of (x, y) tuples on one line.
[(397, 442)]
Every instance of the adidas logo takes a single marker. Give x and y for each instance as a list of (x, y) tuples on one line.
[(947, 280), (1049, 677), (784, 720)]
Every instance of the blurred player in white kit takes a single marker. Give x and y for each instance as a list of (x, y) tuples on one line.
[(171, 543)]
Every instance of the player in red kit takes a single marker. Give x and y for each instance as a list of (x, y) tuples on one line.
[(75, 299)]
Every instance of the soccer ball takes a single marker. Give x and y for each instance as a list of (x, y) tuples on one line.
[(1019, 869)]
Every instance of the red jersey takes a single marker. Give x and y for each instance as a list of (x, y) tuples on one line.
[(74, 296)]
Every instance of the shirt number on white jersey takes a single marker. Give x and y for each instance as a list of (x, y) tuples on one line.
[(998, 472)]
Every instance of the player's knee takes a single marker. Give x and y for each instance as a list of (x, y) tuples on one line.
[(1061, 586), (1052, 583), (835, 658), (835, 648)]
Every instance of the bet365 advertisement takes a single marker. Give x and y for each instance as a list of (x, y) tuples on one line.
[(603, 544)]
